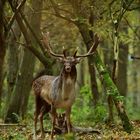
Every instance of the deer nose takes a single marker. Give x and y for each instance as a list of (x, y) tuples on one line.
[(68, 68)]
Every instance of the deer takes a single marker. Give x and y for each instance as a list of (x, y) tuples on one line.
[(59, 91)]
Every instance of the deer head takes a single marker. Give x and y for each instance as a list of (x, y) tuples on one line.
[(69, 61)]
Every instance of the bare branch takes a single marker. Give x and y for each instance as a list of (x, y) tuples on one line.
[(63, 17), (57, 12), (32, 31), (5, 124), (135, 57), (26, 35), (135, 32), (13, 17), (134, 8)]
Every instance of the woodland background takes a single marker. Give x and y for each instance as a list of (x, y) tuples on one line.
[(72, 25)]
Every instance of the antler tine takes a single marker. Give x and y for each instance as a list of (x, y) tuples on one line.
[(64, 53), (48, 47), (75, 53), (92, 49)]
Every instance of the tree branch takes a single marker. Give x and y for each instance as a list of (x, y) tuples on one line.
[(32, 31), (57, 13), (135, 32), (14, 15), (26, 35), (135, 57)]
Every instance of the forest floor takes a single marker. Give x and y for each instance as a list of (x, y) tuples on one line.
[(114, 132)]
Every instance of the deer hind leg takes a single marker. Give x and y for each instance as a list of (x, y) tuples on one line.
[(44, 109), (35, 125), (53, 114), (42, 112), (36, 114), (68, 121)]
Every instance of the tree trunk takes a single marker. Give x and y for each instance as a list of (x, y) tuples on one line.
[(87, 39), (122, 69), (25, 74), (113, 91), (12, 61), (108, 57), (135, 69), (35, 23), (80, 69), (2, 47), (94, 88), (106, 79), (135, 87)]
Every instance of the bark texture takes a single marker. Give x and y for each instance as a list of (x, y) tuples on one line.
[(12, 61), (122, 69), (2, 46)]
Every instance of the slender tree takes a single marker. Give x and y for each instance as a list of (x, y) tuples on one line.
[(122, 69), (2, 44), (13, 47)]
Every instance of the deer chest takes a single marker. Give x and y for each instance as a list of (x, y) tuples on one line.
[(66, 95)]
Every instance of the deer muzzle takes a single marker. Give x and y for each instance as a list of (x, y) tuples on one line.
[(68, 68)]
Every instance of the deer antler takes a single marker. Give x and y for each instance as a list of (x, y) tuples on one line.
[(92, 49), (48, 47)]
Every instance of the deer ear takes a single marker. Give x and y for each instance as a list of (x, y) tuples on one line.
[(64, 53), (77, 60)]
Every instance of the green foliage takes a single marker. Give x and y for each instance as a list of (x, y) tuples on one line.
[(114, 92), (81, 107), (98, 114), (84, 110), (133, 112)]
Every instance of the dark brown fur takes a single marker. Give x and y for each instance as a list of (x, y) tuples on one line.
[(42, 107)]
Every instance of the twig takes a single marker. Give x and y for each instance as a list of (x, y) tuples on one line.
[(57, 13), (135, 32), (4, 124)]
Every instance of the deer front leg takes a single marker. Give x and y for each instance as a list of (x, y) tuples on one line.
[(53, 113), (68, 121)]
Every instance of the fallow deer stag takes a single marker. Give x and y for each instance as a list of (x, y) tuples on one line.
[(59, 91)]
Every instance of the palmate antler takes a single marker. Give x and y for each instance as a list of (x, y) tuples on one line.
[(49, 48)]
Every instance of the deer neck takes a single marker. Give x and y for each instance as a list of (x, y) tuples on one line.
[(67, 81)]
